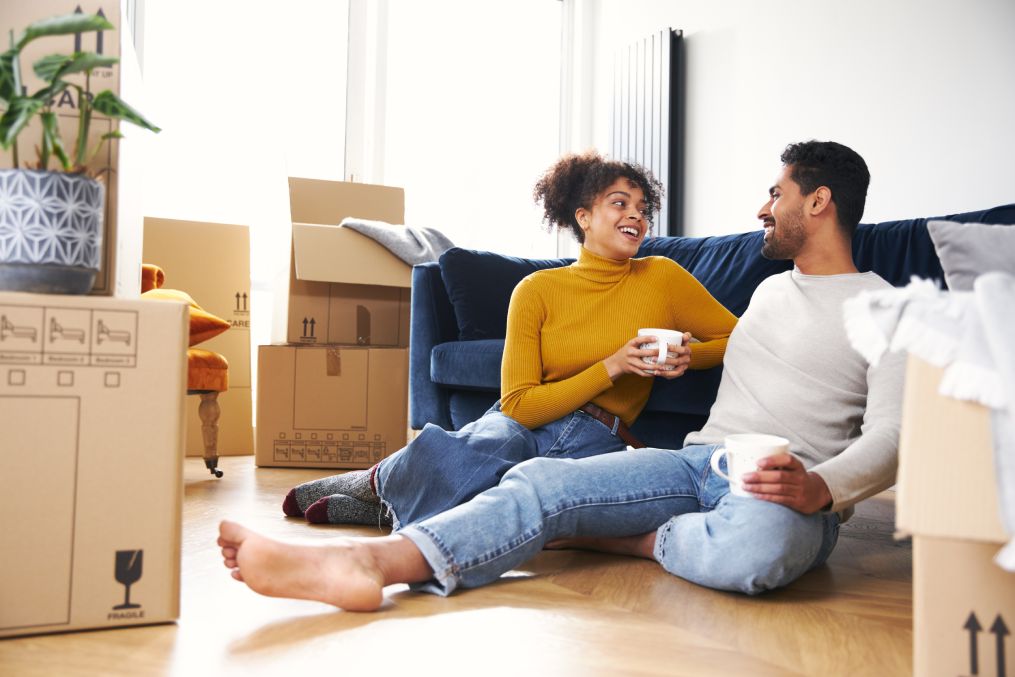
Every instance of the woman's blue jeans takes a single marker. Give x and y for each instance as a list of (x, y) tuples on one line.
[(440, 469), (703, 533)]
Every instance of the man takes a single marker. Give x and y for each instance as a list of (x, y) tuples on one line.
[(789, 371)]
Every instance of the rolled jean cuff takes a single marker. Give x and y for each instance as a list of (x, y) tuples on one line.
[(663, 535), (445, 578)]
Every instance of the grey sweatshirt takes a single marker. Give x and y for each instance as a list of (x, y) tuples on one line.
[(789, 370)]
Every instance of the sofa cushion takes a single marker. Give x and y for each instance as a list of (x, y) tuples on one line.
[(203, 325), (896, 250), (692, 393), (468, 364), (479, 285), (968, 250), (730, 266)]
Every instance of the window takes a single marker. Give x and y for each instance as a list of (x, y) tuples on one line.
[(246, 98), (472, 117)]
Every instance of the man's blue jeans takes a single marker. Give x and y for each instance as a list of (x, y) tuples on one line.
[(703, 533), (441, 469)]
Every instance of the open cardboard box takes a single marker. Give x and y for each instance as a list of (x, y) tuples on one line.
[(343, 287), (963, 603), (211, 262), (91, 414)]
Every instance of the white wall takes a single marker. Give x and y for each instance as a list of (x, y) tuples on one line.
[(924, 90)]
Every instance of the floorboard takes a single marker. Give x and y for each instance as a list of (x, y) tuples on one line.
[(565, 613)]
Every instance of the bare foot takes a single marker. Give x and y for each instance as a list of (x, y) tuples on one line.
[(342, 572), (633, 546)]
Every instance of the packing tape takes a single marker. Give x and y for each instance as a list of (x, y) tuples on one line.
[(334, 361)]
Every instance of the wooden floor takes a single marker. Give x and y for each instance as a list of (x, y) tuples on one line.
[(566, 613)]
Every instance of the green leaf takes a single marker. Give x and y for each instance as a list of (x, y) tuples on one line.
[(51, 134), (64, 25), (19, 112), (48, 67), (51, 91), (111, 105), (84, 124), (54, 66), (8, 78), (115, 134)]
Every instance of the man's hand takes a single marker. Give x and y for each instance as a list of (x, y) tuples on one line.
[(783, 479)]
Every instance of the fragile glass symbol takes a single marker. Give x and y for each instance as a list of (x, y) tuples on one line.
[(128, 572)]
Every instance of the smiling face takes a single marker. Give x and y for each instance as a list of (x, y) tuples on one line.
[(783, 219), (616, 224)]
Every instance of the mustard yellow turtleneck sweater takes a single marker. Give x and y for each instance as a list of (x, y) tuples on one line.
[(564, 322)]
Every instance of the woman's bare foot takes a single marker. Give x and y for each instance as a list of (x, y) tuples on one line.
[(343, 572), (641, 545)]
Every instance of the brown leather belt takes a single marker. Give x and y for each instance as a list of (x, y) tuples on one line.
[(612, 422)]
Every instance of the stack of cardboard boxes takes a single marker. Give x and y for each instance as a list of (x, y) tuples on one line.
[(92, 394), (334, 392), (963, 602)]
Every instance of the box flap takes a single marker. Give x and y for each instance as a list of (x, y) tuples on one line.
[(947, 486), (328, 202), (335, 254)]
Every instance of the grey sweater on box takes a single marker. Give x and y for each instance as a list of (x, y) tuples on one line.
[(411, 244), (790, 370)]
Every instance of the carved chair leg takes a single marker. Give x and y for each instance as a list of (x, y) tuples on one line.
[(209, 411)]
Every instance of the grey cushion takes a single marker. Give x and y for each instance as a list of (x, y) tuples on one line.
[(968, 250)]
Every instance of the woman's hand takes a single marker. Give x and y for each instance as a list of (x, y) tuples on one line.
[(630, 359), (680, 358)]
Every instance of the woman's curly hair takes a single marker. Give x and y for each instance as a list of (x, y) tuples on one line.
[(577, 180)]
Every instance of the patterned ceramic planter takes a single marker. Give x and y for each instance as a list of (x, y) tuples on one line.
[(50, 231)]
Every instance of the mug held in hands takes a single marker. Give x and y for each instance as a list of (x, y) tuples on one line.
[(661, 339), (742, 455)]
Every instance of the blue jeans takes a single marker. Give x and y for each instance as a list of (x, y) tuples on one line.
[(440, 469), (703, 533)]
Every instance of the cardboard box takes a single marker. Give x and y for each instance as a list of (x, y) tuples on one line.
[(343, 287), (330, 406), (211, 262), (326, 307), (963, 603), (120, 164), (91, 415)]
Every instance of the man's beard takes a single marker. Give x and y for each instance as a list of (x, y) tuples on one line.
[(786, 239)]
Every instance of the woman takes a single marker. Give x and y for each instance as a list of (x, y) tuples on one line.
[(562, 374)]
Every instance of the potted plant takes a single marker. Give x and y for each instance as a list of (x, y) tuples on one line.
[(51, 219)]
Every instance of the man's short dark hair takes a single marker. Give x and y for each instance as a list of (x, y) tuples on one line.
[(839, 168)]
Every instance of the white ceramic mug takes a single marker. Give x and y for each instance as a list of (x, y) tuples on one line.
[(659, 339), (742, 455)]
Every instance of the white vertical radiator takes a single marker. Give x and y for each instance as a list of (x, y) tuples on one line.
[(647, 118)]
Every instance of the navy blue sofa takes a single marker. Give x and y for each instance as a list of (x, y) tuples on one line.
[(459, 316)]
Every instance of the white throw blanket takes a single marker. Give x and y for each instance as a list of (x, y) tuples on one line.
[(409, 243), (970, 334)]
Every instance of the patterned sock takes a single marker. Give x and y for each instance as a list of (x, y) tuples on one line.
[(342, 509), (355, 483), (289, 505)]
